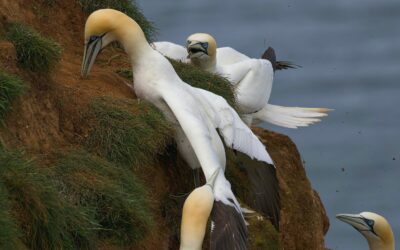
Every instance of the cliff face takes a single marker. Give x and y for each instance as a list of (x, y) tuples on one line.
[(50, 118)]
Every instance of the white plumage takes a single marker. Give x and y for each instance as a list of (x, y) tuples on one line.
[(252, 80), (195, 113)]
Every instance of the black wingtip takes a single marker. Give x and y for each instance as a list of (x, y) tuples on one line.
[(264, 188), (264, 195), (270, 55), (229, 230), (280, 65)]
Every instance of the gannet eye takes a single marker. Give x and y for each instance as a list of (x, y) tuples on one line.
[(93, 38), (370, 223), (204, 45)]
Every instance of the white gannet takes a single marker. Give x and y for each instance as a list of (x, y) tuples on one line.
[(195, 113), (252, 79), (195, 213), (373, 227)]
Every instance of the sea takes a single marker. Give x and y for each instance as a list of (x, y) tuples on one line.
[(349, 52)]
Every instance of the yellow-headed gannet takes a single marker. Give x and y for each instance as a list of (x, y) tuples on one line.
[(251, 77), (194, 112), (373, 227), (195, 213)]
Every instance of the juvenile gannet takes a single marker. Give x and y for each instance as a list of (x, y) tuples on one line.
[(195, 113), (252, 79), (195, 213), (373, 227)]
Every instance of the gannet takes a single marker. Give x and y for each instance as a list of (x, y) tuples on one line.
[(195, 213), (373, 227), (195, 113), (252, 79)]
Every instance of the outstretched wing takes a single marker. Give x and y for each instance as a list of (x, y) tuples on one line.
[(235, 133), (171, 50), (228, 55)]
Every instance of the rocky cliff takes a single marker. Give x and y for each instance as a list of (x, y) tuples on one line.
[(90, 139)]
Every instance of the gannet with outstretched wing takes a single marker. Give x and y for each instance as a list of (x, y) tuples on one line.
[(373, 227), (194, 112), (252, 79)]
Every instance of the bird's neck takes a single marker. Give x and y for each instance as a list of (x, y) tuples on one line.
[(208, 65), (132, 38), (380, 245)]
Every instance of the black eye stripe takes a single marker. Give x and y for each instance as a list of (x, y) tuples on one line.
[(95, 38)]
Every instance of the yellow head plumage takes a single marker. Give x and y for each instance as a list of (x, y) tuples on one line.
[(374, 227), (195, 213), (105, 26)]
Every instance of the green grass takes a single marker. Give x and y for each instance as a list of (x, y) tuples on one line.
[(113, 194), (126, 131), (129, 7), (9, 232), (34, 51), (197, 78), (44, 219), (11, 87)]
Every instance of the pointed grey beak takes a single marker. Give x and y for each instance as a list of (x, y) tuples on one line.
[(92, 49), (355, 220), (212, 179)]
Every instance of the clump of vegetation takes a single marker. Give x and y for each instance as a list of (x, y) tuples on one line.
[(127, 131), (10, 88), (128, 7), (202, 79), (197, 78), (116, 197), (262, 234), (34, 52), (9, 233), (45, 221)]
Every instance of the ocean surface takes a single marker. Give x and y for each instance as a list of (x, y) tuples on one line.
[(349, 51)]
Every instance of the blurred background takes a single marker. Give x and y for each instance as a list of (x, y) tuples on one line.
[(350, 57)]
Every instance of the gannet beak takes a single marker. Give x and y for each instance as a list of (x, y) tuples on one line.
[(92, 49), (196, 47), (212, 179), (357, 221)]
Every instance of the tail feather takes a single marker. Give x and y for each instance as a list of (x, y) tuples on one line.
[(291, 117)]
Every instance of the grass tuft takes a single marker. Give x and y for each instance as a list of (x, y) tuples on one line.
[(128, 7), (44, 220), (113, 194), (34, 52), (197, 78), (201, 79), (11, 87), (9, 233), (127, 131)]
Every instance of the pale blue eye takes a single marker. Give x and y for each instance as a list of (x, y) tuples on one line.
[(204, 45)]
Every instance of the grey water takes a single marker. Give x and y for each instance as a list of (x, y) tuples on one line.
[(349, 51)]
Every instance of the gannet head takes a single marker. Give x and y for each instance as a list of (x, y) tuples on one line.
[(195, 214), (373, 227), (202, 48), (105, 26)]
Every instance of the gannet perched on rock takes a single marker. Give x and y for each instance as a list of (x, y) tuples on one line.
[(195, 213), (373, 227), (252, 79), (195, 113)]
